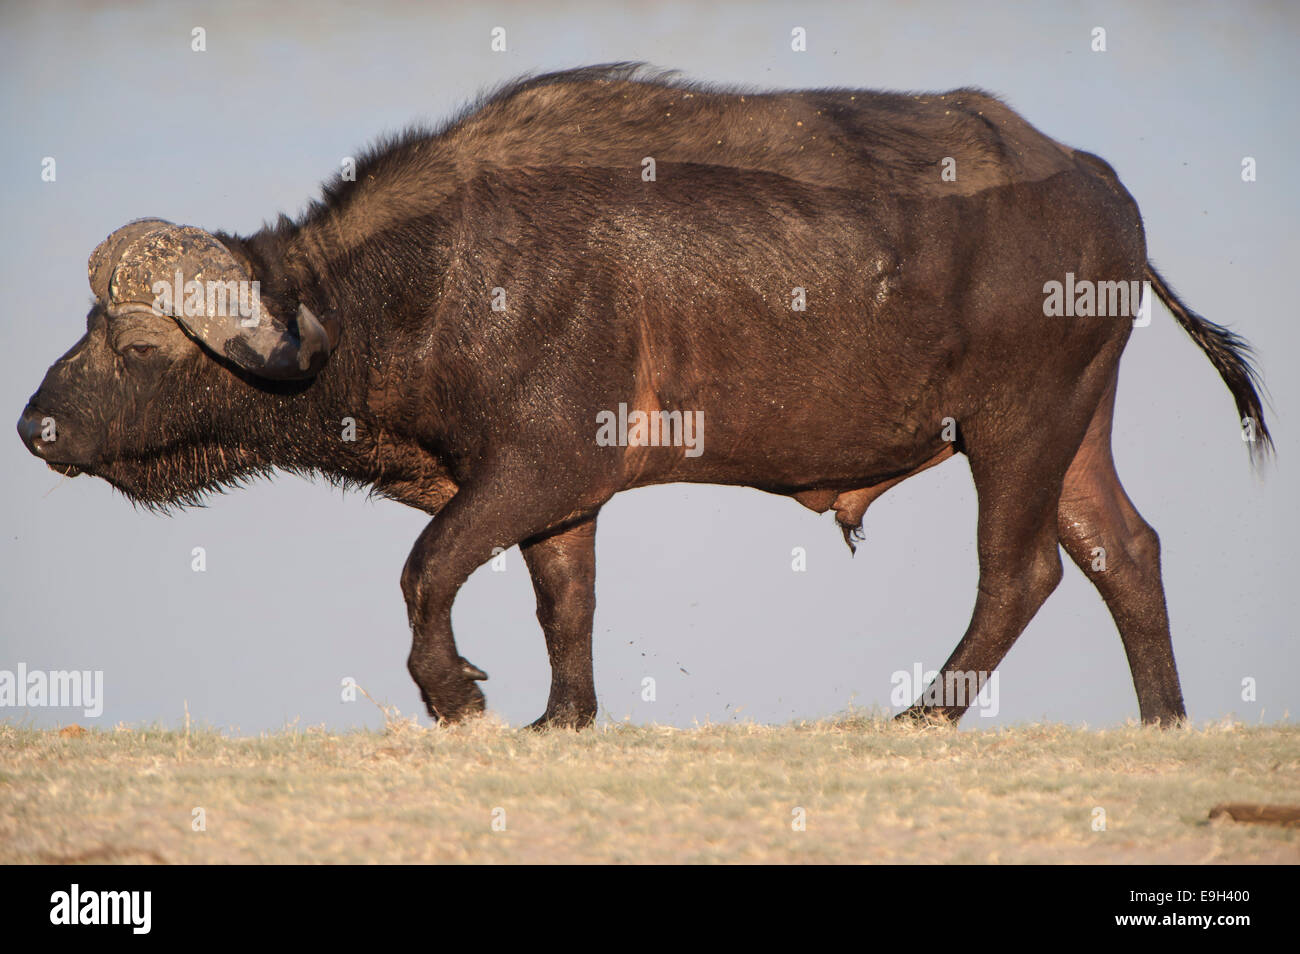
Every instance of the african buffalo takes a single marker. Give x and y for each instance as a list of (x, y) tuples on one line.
[(602, 279)]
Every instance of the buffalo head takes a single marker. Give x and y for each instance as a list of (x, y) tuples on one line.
[(179, 345)]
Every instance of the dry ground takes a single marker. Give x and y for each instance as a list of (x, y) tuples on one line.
[(871, 791)]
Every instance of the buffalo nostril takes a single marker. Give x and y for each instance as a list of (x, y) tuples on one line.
[(30, 428)]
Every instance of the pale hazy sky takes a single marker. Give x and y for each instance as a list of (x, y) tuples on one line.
[(694, 585)]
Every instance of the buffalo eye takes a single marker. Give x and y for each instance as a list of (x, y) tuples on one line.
[(141, 349)]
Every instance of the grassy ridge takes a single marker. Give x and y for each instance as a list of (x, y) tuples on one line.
[(871, 791)]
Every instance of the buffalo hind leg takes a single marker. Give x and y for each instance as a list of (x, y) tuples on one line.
[(563, 568), (1020, 566), (1116, 549), (1018, 473)]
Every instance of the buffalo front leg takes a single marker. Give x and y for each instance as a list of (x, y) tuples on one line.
[(563, 567), (498, 509)]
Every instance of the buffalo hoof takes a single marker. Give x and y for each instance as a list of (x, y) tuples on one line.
[(1167, 719), (565, 717), (927, 715), (456, 697)]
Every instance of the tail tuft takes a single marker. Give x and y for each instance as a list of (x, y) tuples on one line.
[(1231, 356)]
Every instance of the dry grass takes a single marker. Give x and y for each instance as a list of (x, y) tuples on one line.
[(872, 792)]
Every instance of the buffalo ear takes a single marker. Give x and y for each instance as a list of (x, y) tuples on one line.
[(230, 320)]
